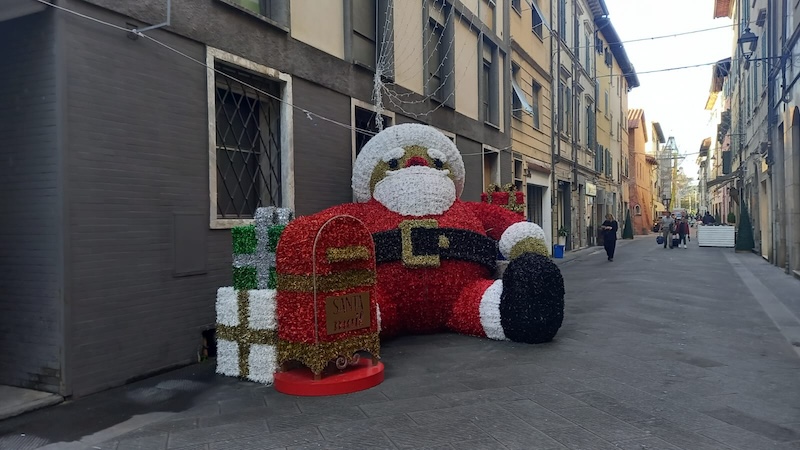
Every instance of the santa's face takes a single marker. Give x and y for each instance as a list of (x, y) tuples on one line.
[(414, 181)]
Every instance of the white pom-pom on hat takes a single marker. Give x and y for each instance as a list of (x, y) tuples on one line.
[(401, 136), (518, 232)]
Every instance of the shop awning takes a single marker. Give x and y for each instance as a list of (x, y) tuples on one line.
[(659, 207)]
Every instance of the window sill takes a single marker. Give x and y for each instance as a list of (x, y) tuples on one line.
[(226, 224), (445, 103), (265, 19), (519, 13), (364, 66), (496, 127)]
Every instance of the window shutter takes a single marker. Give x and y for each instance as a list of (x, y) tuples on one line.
[(365, 32)]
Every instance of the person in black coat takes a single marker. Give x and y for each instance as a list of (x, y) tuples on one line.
[(609, 228)]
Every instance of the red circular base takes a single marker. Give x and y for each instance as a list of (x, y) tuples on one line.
[(300, 381)]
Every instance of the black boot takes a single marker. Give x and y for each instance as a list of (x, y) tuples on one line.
[(532, 302)]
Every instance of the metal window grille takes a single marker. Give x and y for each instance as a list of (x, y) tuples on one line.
[(248, 143)]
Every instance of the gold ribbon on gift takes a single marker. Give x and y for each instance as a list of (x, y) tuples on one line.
[(243, 335), (511, 189)]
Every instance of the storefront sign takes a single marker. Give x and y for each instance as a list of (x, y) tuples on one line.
[(591, 189)]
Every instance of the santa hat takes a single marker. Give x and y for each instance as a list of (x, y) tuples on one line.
[(401, 136)]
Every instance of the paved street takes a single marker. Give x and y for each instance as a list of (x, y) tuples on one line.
[(660, 349)]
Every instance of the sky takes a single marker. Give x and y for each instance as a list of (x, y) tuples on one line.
[(676, 98)]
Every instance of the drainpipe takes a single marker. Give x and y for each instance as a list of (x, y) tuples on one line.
[(555, 141), (575, 188)]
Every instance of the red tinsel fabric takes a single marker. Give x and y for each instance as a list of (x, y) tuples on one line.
[(295, 309), (494, 219), (412, 300)]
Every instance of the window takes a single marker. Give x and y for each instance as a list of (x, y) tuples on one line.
[(613, 125), (755, 87), (517, 95), (370, 33), (590, 125), (535, 111), (562, 20), (536, 19), (275, 10), (490, 84), (248, 142), (366, 126), (486, 76), (364, 32), (597, 92), (588, 55), (747, 98), (578, 118), (439, 63), (605, 104), (599, 158), (561, 94), (598, 44), (491, 166), (576, 41), (434, 58), (608, 57), (568, 110), (637, 210), (517, 5), (536, 204)]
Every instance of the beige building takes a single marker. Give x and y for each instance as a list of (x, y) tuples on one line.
[(531, 113), (615, 77), (574, 129)]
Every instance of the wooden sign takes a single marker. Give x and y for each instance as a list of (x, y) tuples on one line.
[(347, 312)]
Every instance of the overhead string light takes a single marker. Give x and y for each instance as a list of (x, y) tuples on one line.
[(385, 60), (401, 101)]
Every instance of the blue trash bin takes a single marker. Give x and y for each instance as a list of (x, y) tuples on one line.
[(558, 251)]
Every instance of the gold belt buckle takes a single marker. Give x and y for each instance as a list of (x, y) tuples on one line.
[(409, 258)]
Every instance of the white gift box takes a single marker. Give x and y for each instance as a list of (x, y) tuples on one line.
[(246, 328)]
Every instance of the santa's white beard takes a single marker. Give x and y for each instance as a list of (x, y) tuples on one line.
[(416, 191)]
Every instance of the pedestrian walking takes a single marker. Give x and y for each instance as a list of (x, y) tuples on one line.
[(609, 228), (683, 231), (667, 222)]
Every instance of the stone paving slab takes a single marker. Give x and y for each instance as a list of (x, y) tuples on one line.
[(660, 349)]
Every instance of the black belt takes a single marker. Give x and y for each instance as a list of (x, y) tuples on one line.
[(420, 243)]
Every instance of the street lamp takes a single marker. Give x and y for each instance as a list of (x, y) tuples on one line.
[(747, 42)]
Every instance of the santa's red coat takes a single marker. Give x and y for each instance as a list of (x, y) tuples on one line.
[(431, 299)]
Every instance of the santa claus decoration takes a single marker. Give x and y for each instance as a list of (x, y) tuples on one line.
[(435, 255)]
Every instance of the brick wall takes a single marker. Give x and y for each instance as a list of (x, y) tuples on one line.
[(137, 182), (31, 333)]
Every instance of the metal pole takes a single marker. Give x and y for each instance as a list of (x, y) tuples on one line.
[(555, 142)]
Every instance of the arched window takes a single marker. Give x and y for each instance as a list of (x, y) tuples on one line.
[(637, 210)]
